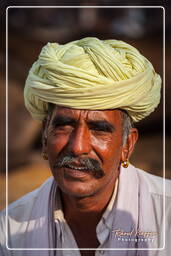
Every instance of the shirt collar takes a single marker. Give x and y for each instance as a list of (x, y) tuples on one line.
[(107, 217)]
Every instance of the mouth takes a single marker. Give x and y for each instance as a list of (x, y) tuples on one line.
[(73, 172), (78, 168)]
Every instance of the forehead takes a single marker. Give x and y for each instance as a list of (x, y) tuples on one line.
[(111, 116)]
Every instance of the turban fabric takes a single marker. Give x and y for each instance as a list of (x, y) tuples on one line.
[(95, 75)]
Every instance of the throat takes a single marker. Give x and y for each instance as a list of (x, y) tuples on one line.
[(83, 219), (85, 237)]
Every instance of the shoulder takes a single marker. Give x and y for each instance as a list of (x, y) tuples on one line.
[(28, 211), (26, 202), (156, 185), (159, 190)]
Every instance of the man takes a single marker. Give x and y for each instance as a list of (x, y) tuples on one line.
[(88, 93)]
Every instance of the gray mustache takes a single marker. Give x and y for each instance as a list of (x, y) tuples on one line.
[(91, 165)]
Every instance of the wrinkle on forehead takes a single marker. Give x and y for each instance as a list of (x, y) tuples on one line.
[(109, 115)]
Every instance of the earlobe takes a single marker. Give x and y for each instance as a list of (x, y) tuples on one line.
[(44, 141), (128, 147), (44, 138)]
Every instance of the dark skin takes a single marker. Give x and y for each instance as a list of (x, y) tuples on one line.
[(86, 134)]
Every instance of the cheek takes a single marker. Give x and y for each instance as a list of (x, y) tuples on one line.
[(108, 148), (56, 143)]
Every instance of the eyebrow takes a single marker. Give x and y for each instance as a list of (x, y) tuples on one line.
[(63, 120), (101, 125)]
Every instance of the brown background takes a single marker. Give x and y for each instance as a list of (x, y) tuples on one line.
[(31, 28)]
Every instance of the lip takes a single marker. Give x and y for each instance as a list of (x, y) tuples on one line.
[(75, 174)]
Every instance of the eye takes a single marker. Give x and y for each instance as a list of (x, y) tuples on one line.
[(101, 134), (101, 127), (61, 130), (64, 128)]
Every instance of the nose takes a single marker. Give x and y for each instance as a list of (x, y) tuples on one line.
[(80, 141)]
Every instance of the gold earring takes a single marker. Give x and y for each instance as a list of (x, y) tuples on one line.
[(45, 156), (125, 164)]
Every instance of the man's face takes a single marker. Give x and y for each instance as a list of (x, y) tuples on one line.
[(77, 140)]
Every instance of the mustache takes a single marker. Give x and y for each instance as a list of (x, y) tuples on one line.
[(92, 166)]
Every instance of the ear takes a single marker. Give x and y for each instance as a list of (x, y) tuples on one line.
[(45, 125), (128, 147)]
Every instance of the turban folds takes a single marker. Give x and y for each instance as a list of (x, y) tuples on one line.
[(95, 75)]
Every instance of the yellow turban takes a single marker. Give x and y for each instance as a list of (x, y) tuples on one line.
[(92, 74)]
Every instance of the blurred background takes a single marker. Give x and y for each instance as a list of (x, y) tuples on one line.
[(29, 29)]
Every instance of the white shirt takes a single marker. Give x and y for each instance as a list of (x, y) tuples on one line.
[(134, 219)]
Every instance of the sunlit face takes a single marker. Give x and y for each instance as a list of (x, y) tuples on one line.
[(79, 135)]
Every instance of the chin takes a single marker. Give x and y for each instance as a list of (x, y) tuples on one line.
[(77, 190)]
